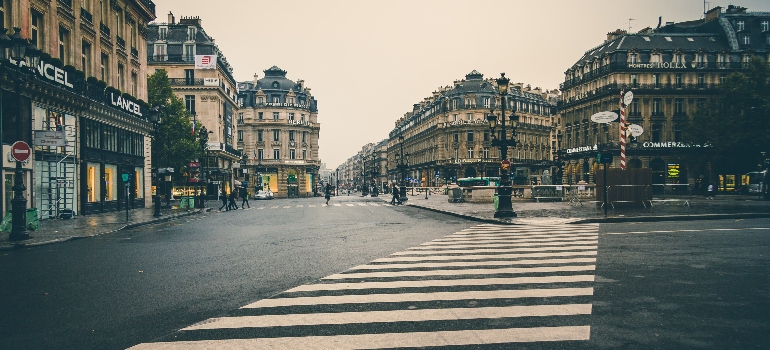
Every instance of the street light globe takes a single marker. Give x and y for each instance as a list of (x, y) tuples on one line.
[(502, 84)]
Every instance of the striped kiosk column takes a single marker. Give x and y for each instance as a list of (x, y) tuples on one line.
[(623, 128)]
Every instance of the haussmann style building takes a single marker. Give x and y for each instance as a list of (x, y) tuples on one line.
[(671, 70), (278, 131)]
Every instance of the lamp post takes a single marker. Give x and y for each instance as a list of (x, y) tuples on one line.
[(403, 163), (203, 136), (364, 183), (337, 185), (504, 189), (374, 172), (20, 50), (157, 119)]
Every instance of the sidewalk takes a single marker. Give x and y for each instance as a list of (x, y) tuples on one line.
[(662, 209), (55, 230)]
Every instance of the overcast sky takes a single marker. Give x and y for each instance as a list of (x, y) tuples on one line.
[(368, 62)]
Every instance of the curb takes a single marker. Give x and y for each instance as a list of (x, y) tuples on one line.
[(128, 226), (612, 219)]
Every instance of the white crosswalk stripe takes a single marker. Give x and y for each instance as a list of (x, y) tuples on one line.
[(490, 284)]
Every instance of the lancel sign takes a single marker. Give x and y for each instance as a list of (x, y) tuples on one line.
[(49, 72), (124, 104)]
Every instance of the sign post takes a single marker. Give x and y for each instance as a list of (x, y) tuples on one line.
[(21, 152)]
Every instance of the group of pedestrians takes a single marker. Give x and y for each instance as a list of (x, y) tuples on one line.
[(228, 201)]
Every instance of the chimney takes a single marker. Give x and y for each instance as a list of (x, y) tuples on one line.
[(191, 21), (616, 34), (256, 77), (713, 13), (171, 19)]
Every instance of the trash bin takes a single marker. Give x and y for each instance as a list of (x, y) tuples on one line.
[(183, 202), (496, 199), (457, 195)]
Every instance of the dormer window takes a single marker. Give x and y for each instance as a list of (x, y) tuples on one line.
[(633, 58), (276, 85), (765, 26), (740, 26), (162, 32), (655, 58), (191, 32), (746, 40)]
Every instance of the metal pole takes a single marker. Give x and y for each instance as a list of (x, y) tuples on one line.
[(606, 188), (19, 206)]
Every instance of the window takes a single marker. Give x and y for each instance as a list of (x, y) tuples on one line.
[(746, 40), (189, 103), (189, 76), (455, 153), (302, 117), (454, 104), (260, 115), (470, 136), (657, 106), (633, 58), (85, 58), (486, 135), (162, 32), (189, 53), (159, 53), (191, 31), (678, 133), (93, 182), (64, 45), (304, 135), (110, 182), (468, 102), (656, 79), (701, 79), (276, 153), (470, 152), (240, 135), (456, 137), (679, 79), (121, 76), (678, 58), (276, 99), (291, 135), (134, 82), (260, 154), (304, 154), (276, 135), (740, 26), (275, 115), (486, 102), (240, 118), (454, 117), (765, 26), (291, 116), (722, 78), (656, 132), (37, 29), (679, 106), (634, 79), (292, 153), (105, 67), (486, 152), (5, 13), (259, 136)]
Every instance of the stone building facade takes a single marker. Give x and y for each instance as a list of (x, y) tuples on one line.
[(86, 91), (672, 70), (280, 131), (447, 136), (210, 95)]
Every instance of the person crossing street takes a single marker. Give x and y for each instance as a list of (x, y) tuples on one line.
[(396, 199), (244, 198)]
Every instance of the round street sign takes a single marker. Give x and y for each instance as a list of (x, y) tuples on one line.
[(604, 117), (627, 98), (636, 129), (20, 151)]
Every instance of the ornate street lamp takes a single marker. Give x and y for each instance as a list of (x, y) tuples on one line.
[(375, 192), (558, 161), (504, 189), (337, 179), (20, 50), (203, 136), (156, 117), (403, 163)]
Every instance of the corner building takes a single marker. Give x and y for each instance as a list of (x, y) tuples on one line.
[(209, 94), (447, 135), (278, 132), (672, 70), (87, 91)]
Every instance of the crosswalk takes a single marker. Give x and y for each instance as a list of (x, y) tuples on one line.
[(322, 205), (489, 284)]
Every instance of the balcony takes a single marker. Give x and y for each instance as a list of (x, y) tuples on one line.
[(66, 4), (134, 53), (186, 82), (648, 67), (104, 30), (121, 42), (172, 58), (86, 16)]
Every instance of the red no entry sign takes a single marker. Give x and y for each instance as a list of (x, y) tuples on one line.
[(20, 151)]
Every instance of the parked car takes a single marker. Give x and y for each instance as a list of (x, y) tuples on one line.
[(264, 194)]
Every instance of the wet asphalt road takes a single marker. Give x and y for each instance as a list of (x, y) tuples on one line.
[(117, 290), (670, 285)]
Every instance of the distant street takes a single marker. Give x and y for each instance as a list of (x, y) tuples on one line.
[(361, 274)]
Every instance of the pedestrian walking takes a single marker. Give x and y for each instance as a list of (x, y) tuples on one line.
[(231, 203), (328, 194), (710, 191), (224, 202), (244, 198), (396, 199)]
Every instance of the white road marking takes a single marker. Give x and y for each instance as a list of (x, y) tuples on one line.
[(442, 283), (419, 297), (474, 263), (509, 270), (511, 250), (687, 230), (419, 315), (388, 340), (483, 257), (501, 244)]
